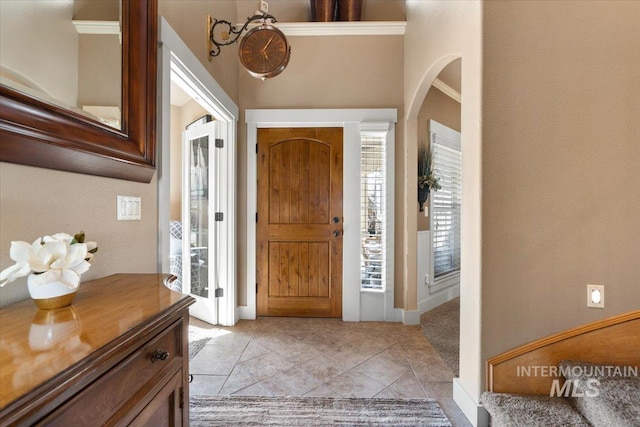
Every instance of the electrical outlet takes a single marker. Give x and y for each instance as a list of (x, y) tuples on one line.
[(595, 296), (264, 6)]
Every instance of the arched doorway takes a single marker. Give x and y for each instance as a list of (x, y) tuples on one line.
[(438, 223)]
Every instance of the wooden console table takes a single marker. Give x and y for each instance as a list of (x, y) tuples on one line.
[(117, 356)]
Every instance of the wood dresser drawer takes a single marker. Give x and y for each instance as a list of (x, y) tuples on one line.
[(90, 364), (128, 387)]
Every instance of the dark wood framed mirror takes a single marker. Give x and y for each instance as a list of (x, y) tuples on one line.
[(38, 133)]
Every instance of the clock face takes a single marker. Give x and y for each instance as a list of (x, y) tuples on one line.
[(264, 51)]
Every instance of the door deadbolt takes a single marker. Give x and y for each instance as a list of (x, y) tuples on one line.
[(336, 220)]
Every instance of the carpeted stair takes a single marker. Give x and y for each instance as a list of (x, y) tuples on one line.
[(618, 397), (607, 401)]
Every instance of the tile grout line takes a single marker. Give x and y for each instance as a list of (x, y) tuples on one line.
[(403, 344), (414, 372), (236, 363), (403, 374), (326, 383)]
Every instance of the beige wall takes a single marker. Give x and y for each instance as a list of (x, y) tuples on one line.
[(552, 201), (560, 166), (92, 10), (99, 70), (324, 72), (37, 202), (300, 10), (44, 30), (347, 72), (438, 33), (443, 109), (189, 19)]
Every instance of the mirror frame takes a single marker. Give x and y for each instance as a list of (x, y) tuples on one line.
[(36, 133)]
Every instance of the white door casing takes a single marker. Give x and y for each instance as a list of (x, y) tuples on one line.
[(178, 64), (356, 305)]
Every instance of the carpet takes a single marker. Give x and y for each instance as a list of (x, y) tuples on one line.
[(514, 410), (441, 326), (614, 400), (313, 411)]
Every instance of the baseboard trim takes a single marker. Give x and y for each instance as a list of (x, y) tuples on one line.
[(439, 298), (410, 317), (244, 312), (475, 413)]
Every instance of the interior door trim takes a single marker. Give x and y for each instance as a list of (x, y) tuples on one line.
[(178, 61), (352, 121)]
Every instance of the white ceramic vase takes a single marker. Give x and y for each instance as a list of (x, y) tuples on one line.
[(50, 295)]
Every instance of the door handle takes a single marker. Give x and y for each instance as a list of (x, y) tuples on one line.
[(336, 233)]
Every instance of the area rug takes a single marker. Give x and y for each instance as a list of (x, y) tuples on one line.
[(313, 411), (196, 346), (441, 326), (199, 334)]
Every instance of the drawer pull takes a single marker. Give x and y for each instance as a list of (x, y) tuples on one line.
[(159, 355)]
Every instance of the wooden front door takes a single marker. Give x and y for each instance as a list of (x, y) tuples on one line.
[(299, 229)]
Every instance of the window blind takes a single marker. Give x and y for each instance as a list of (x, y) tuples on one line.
[(445, 205), (373, 211)]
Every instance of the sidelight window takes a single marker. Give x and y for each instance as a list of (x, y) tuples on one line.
[(373, 211)]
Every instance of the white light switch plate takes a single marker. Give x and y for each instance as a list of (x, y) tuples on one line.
[(129, 208)]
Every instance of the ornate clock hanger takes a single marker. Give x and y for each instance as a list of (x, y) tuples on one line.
[(264, 51), (230, 32)]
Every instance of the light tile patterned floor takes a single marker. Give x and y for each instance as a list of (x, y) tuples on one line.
[(322, 357)]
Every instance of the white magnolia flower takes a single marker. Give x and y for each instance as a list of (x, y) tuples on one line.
[(58, 237), (52, 258), (10, 274), (92, 247), (21, 253)]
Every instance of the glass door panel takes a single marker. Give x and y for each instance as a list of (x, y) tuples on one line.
[(198, 217)]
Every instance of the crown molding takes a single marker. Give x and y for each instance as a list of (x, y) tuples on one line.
[(97, 27), (447, 90), (354, 28)]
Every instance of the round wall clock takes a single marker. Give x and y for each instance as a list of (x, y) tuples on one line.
[(264, 51)]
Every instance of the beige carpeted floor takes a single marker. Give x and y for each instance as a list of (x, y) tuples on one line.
[(441, 326)]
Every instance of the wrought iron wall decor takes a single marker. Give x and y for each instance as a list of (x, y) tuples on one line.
[(230, 33)]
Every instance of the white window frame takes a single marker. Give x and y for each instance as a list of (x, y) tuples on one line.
[(453, 278), (381, 130)]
